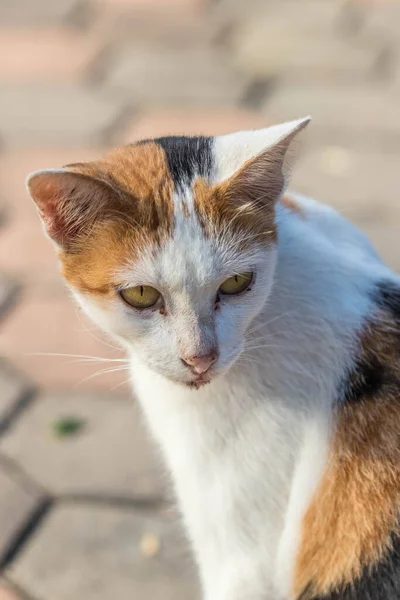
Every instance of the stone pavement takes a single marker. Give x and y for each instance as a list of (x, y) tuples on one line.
[(84, 504)]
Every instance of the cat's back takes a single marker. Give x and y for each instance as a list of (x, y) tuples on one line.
[(324, 222)]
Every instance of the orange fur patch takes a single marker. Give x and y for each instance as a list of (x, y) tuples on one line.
[(349, 523), (141, 172), (218, 213), (290, 203), (144, 216), (92, 270)]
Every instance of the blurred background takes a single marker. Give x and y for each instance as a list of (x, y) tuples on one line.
[(84, 512)]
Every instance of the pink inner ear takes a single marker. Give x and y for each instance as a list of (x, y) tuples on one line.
[(69, 202), (52, 221), (47, 196)]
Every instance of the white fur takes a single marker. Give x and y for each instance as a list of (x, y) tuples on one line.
[(234, 149), (247, 451)]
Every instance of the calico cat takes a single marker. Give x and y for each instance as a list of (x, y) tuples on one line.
[(263, 332)]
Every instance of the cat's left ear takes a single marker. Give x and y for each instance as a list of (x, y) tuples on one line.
[(255, 165)]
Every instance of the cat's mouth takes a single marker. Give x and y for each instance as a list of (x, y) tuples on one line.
[(200, 381)]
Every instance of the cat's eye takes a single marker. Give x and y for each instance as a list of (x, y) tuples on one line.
[(141, 296), (236, 284)]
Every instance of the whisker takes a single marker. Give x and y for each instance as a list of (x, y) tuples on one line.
[(101, 372), (119, 384), (80, 356), (260, 325), (264, 346)]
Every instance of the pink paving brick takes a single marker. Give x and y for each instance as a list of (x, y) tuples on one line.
[(47, 322), (7, 594), (190, 122), (50, 54), (26, 254), (154, 4)]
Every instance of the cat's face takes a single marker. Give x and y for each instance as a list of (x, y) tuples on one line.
[(170, 245)]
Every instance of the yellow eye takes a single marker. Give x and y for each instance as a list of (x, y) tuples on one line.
[(237, 283), (141, 296)]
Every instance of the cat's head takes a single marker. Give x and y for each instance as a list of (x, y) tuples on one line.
[(170, 244)]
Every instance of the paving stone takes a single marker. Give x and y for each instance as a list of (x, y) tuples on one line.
[(310, 16), (184, 5), (147, 25), (385, 238), (190, 122), (48, 322), (97, 556), (381, 19), (111, 456), (8, 293), (22, 13), (341, 114), (58, 55), (18, 503), (362, 184), (48, 116), (167, 77), (15, 390), (265, 50), (25, 252), (7, 593)]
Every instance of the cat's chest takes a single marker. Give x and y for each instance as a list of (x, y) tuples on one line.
[(231, 454)]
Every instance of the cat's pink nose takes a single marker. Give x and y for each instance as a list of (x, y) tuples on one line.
[(200, 364)]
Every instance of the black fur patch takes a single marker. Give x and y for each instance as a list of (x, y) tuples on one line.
[(366, 380), (187, 157), (387, 296), (370, 377), (379, 583)]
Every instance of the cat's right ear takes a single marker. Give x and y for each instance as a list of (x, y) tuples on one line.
[(69, 203)]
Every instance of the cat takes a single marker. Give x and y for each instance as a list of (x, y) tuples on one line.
[(263, 332)]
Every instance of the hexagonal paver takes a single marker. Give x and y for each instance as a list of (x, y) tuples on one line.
[(110, 456), (18, 502), (48, 115), (164, 76), (41, 12), (101, 552), (48, 337), (266, 51), (154, 24), (153, 4), (56, 55), (360, 114), (8, 290), (14, 392), (362, 184), (385, 238), (381, 19), (7, 592)]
